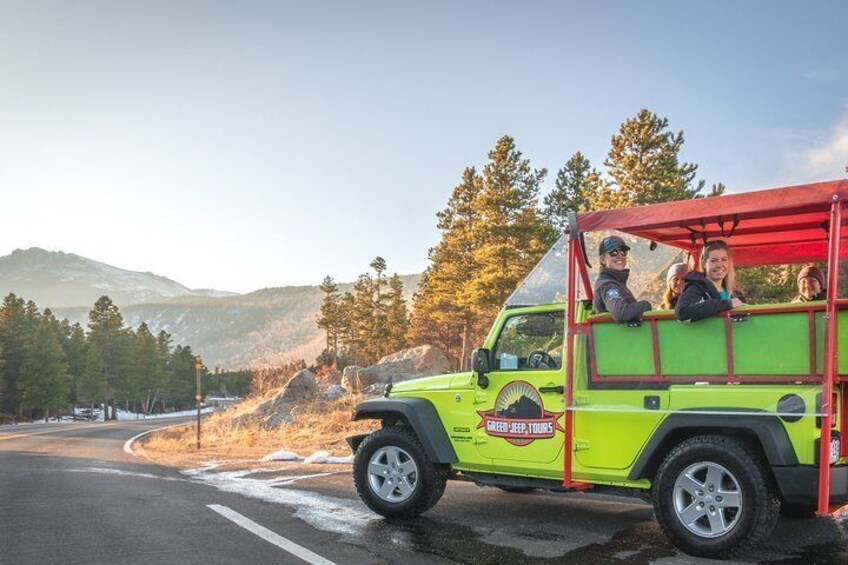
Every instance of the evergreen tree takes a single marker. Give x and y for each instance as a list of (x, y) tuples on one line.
[(397, 315), (512, 236), (441, 314), (577, 183), (18, 321), (643, 162), (492, 236), (75, 348), (329, 317), (108, 353), (43, 381), (147, 367)]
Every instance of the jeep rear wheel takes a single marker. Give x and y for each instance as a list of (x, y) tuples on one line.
[(394, 476), (713, 498)]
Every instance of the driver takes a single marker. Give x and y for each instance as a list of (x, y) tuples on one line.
[(611, 292)]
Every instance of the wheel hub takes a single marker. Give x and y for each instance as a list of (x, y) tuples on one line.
[(392, 474), (707, 499)]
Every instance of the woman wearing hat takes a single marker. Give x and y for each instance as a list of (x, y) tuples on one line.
[(674, 285), (810, 285), (611, 292), (713, 291)]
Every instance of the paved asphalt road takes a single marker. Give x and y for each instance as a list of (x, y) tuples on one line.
[(69, 494)]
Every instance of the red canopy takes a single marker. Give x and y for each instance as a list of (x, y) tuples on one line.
[(780, 225)]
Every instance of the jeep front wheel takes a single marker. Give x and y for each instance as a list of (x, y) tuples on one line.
[(394, 476), (713, 498)]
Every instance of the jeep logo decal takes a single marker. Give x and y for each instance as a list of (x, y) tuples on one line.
[(519, 416)]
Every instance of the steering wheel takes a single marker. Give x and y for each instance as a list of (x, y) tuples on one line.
[(539, 359)]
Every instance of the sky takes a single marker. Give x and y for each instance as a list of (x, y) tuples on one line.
[(241, 145)]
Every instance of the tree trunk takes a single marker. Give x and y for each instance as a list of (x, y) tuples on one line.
[(464, 362)]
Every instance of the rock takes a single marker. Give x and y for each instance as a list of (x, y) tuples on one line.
[(301, 386), (334, 391), (350, 381), (426, 360), (390, 371)]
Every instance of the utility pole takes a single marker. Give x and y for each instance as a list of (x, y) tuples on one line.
[(198, 366)]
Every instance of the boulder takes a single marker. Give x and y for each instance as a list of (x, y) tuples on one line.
[(349, 378), (301, 386), (386, 372), (425, 360), (277, 410)]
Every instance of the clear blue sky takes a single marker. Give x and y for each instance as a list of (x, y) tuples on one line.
[(238, 145)]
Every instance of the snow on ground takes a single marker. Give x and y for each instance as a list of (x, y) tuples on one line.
[(123, 415), (319, 457)]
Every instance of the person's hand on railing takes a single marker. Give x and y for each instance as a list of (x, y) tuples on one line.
[(736, 302)]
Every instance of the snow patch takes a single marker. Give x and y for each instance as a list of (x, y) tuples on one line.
[(327, 513), (282, 455)]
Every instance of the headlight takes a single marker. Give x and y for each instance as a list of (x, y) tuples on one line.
[(835, 445)]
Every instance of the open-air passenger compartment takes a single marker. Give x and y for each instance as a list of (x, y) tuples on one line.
[(768, 344)]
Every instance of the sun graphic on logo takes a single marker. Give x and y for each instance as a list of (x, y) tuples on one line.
[(512, 394)]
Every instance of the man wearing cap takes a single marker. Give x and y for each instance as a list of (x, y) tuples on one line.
[(810, 285), (611, 292)]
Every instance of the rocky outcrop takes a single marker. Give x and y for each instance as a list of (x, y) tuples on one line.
[(277, 410), (421, 361), (425, 359)]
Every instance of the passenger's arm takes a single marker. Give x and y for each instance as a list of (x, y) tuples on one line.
[(623, 308), (693, 307)]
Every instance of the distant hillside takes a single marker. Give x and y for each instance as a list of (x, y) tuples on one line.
[(56, 279), (265, 327)]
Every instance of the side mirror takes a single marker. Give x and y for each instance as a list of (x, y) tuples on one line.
[(480, 365)]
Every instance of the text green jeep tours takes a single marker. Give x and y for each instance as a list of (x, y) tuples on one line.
[(721, 422)]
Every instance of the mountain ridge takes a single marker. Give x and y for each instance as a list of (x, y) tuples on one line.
[(267, 326)]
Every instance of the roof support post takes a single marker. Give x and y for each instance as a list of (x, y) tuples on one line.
[(571, 330), (829, 373)]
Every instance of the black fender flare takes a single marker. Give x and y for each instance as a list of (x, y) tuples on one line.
[(421, 416), (767, 429)]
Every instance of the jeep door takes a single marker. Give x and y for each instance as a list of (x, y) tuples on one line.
[(520, 412)]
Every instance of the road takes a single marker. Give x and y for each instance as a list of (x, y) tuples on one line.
[(70, 494)]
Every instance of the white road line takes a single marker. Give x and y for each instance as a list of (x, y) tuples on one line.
[(269, 536), (129, 442)]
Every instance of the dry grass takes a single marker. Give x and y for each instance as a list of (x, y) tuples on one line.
[(319, 425)]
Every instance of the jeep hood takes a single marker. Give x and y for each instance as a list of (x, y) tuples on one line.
[(438, 382)]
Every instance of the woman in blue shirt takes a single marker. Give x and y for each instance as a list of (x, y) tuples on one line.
[(712, 291)]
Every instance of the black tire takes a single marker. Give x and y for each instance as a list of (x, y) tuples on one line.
[(718, 526), (424, 485)]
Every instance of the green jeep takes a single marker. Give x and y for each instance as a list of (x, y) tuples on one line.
[(721, 424)]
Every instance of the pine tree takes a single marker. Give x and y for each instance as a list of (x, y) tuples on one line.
[(108, 353), (644, 166), (329, 317), (397, 315), (44, 382), (492, 236), (577, 183), (147, 368), (441, 314)]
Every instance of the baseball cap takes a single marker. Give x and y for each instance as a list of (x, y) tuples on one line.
[(611, 243)]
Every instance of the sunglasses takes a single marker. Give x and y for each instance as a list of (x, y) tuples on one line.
[(617, 252)]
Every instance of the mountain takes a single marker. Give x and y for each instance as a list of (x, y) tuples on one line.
[(264, 327), (56, 279)]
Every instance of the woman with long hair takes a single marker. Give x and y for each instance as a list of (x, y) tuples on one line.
[(712, 291), (674, 285)]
